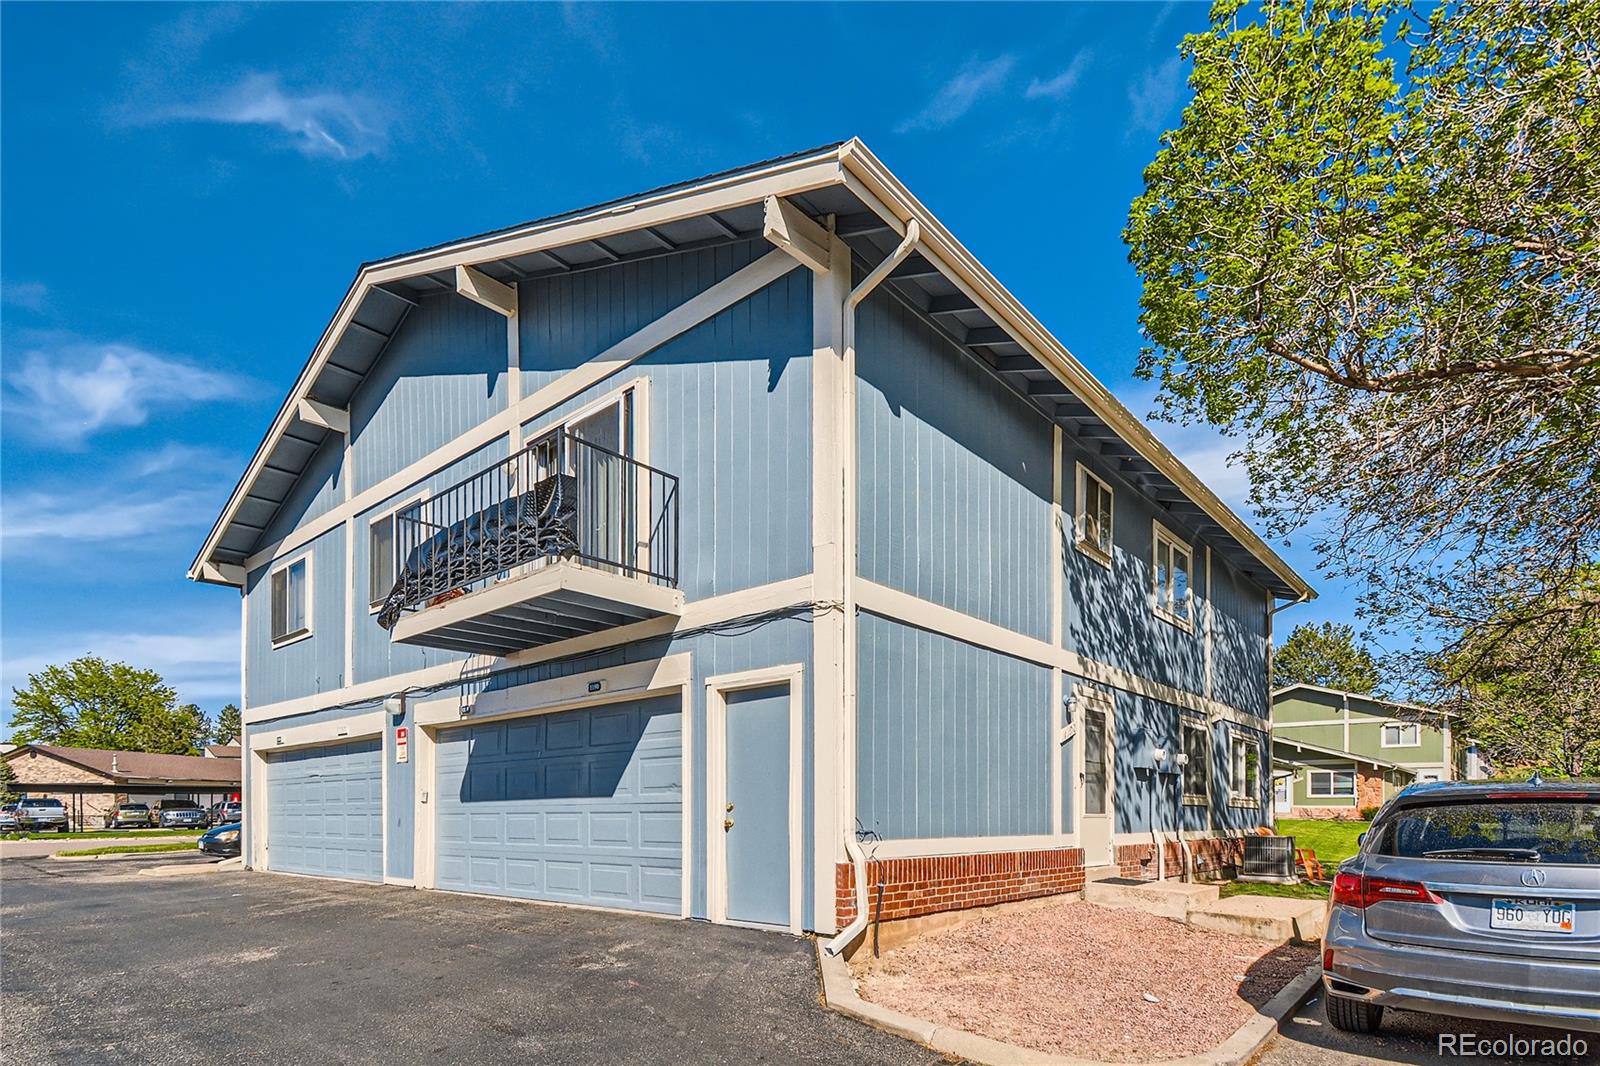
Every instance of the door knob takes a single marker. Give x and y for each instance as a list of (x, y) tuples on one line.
[(730, 808), (727, 824)]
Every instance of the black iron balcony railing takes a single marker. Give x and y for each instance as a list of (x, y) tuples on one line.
[(561, 497)]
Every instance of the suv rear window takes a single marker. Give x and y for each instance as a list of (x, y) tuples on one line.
[(133, 807), (1555, 832), (41, 803)]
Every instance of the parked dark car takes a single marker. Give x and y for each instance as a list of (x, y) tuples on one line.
[(223, 840), (130, 816), (1471, 900), (42, 813), (181, 814)]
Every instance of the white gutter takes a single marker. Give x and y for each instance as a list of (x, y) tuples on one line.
[(847, 428), (848, 934)]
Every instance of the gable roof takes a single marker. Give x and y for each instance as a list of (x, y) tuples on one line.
[(1300, 745), (136, 765), (872, 210), (1365, 697), (223, 751)]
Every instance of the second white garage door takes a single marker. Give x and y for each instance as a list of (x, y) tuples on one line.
[(577, 807)]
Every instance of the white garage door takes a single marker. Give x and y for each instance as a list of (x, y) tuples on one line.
[(325, 811), (580, 807)]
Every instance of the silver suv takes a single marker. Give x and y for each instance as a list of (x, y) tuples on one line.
[(1473, 900)]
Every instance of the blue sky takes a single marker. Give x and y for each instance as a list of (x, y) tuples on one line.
[(188, 192)]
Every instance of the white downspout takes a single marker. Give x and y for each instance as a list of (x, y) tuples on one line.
[(847, 429)]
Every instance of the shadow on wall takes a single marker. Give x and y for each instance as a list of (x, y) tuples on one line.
[(572, 755)]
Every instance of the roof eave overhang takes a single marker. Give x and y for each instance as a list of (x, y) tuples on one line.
[(873, 183), (787, 177), (850, 164)]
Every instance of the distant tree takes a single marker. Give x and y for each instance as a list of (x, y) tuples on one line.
[(1532, 700), (1371, 249), (228, 726), (92, 703), (8, 782), (1328, 655)]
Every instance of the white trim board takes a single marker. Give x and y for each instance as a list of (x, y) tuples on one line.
[(786, 593), (362, 726), (906, 608), (631, 681)]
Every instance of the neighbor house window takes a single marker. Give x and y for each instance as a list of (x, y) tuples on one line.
[(1197, 771), (1401, 735), (291, 601), (1246, 763), (1331, 783), (388, 538), (1173, 565), (1093, 524)]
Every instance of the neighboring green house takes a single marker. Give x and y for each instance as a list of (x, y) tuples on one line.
[(1335, 753)]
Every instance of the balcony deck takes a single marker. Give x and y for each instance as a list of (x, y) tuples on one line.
[(557, 601)]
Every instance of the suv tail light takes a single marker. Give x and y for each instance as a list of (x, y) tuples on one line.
[(1362, 890)]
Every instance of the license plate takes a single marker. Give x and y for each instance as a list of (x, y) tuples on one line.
[(1533, 915)]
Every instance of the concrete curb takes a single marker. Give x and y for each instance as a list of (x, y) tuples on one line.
[(60, 857), (191, 869), (839, 994)]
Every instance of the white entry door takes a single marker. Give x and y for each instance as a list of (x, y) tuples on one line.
[(1098, 787)]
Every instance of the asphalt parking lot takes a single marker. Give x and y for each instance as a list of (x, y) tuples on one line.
[(1306, 1039), (102, 965)]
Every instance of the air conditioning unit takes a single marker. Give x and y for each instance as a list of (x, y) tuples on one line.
[(1269, 859)]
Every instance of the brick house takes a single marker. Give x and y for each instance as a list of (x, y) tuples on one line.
[(91, 781)]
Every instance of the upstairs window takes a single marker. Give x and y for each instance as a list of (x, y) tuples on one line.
[(291, 601), (1246, 763), (387, 538), (1173, 598), (1197, 771), (1093, 524), (1401, 735)]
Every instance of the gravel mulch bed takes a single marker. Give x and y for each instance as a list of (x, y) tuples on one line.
[(1076, 979)]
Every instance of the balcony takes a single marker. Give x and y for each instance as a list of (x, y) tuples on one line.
[(563, 539)]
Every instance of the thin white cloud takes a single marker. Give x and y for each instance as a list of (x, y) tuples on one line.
[(1152, 98), (29, 295), (976, 79), (66, 389), (326, 124), (201, 663), (134, 506), (1060, 86)]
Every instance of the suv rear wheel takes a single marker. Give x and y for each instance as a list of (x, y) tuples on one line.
[(1353, 1015)]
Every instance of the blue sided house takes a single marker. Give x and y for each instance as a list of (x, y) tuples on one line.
[(721, 550)]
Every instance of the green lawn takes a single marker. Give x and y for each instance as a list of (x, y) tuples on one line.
[(1333, 841), (131, 849), (98, 834), (1302, 890)]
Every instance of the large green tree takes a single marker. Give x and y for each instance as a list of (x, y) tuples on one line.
[(228, 727), (92, 703), (1329, 655), (1532, 700), (1372, 250)]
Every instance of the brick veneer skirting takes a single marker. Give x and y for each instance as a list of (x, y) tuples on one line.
[(914, 887), (1210, 855)]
